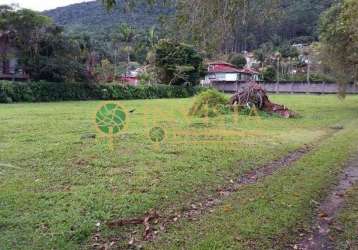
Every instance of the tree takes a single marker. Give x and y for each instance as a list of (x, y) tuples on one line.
[(88, 56), (43, 51), (105, 71), (126, 37), (238, 60), (339, 41), (227, 26), (269, 74), (152, 40), (286, 50), (177, 63), (109, 4), (264, 52), (152, 37)]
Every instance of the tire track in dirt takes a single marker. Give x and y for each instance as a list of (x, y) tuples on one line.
[(319, 238), (155, 222)]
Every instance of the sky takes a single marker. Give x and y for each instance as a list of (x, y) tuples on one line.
[(41, 5)]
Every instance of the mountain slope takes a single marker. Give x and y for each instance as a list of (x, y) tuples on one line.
[(93, 17)]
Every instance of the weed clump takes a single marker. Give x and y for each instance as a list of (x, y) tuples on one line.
[(209, 103)]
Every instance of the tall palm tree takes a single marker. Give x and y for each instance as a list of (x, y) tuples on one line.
[(152, 37), (126, 37)]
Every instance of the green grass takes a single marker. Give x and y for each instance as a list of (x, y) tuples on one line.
[(347, 222), (55, 186), (270, 214)]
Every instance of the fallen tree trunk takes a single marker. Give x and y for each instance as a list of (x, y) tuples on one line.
[(255, 95)]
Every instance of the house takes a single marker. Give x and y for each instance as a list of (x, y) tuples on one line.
[(228, 73), (129, 80), (9, 66), (132, 76), (249, 74)]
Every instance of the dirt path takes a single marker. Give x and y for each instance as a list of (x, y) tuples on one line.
[(156, 222), (319, 239)]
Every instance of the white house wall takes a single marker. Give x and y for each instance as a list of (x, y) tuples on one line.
[(231, 77), (222, 77)]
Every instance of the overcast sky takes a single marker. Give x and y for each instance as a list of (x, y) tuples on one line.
[(41, 5)]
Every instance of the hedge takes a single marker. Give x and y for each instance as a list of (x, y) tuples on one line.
[(49, 92)]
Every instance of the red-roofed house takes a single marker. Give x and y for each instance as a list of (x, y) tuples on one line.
[(226, 72), (247, 74), (130, 80)]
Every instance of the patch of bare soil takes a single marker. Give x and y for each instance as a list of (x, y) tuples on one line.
[(319, 238)]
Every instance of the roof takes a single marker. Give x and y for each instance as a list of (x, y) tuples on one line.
[(222, 67), (250, 71), (221, 62)]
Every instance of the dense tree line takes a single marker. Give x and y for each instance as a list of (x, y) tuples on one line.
[(42, 49), (46, 52), (107, 48), (93, 19), (339, 41), (236, 25)]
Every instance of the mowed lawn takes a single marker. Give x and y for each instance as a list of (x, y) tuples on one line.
[(57, 183)]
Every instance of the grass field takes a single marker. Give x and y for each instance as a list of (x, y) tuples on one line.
[(56, 184), (346, 228)]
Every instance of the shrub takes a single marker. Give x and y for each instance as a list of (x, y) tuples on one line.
[(6, 91), (303, 39), (238, 60), (209, 103), (269, 74), (48, 91), (178, 63), (286, 50)]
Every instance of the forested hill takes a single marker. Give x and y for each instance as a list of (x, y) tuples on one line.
[(297, 20), (301, 17), (93, 17)]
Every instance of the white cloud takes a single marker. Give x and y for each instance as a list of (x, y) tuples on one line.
[(41, 5)]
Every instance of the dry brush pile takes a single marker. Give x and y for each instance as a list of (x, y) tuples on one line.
[(255, 95)]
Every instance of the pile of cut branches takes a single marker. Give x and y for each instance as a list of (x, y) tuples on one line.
[(254, 95)]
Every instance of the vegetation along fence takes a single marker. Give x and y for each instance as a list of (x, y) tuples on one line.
[(48, 92), (291, 87)]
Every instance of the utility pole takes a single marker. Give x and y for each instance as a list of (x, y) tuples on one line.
[(308, 62), (278, 71), (278, 56)]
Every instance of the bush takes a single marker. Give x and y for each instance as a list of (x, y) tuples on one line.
[(269, 74), (178, 63), (303, 40), (209, 103), (48, 92), (238, 60), (6, 91), (286, 50)]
